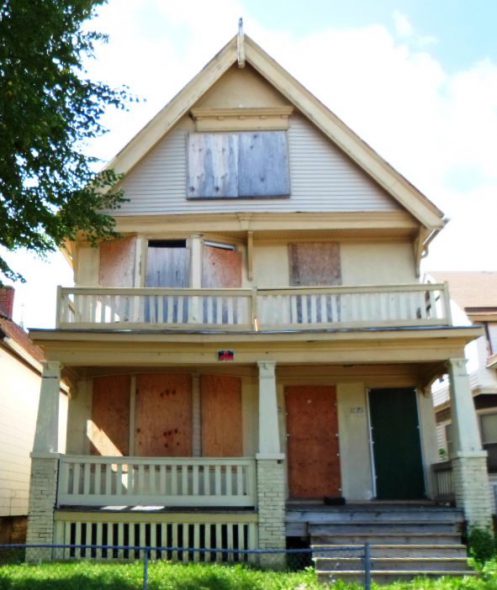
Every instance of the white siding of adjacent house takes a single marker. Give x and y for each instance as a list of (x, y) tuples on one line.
[(19, 394), (322, 179)]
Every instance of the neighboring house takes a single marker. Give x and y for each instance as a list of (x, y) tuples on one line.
[(257, 340), (20, 378), (474, 297)]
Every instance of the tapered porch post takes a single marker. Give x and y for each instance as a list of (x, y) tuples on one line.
[(270, 467), (470, 474), (44, 463)]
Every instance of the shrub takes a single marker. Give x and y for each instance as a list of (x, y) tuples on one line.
[(481, 544)]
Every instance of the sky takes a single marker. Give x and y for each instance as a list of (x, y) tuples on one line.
[(416, 79)]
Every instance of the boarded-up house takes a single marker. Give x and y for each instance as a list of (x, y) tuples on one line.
[(257, 341)]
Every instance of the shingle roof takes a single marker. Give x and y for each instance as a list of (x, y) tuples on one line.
[(20, 337)]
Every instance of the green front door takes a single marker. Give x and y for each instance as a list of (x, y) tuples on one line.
[(396, 445)]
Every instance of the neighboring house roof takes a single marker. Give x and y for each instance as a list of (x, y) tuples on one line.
[(22, 343), (241, 49), (475, 290)]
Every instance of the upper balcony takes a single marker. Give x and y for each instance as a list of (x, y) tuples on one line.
[(258, 309)]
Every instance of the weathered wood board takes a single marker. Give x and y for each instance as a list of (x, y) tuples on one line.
[(168, 264), (163, 415), (313, 448), (221, 407), (110, 413)]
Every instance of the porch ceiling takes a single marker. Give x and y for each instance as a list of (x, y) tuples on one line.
[(128, 348)]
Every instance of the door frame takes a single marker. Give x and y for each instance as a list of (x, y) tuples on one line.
[(371, 445)]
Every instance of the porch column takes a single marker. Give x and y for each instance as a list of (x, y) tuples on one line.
[(270, 468), (44, 464), (469, 464), (195, 276)]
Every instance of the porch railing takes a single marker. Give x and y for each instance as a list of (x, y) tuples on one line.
[(257, 309), (443, 485), (118, 481)]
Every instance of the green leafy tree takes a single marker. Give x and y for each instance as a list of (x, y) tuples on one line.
[(49, 110)]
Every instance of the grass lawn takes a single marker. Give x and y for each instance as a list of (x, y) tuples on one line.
[(84, 575)]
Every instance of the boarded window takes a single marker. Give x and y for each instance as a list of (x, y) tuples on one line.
[(222, 431), (221, 267), (315, 263), (238, 165), (163, 415), (109, 430), (117, 263), (168, 264)]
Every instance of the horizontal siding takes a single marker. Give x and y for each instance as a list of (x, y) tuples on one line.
[(322, 179)]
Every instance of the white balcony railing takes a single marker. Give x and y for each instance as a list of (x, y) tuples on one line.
[(258, 309), (129, 481)]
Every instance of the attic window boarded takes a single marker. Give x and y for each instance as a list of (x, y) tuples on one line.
[(238, 165)]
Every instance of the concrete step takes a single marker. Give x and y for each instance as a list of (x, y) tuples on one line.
[(421, 564), (387, 538), (374, 515), (384, 527), (385, 576), (392, 550)]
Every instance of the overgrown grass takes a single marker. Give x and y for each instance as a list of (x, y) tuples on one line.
[(85, 575), (162, 576)]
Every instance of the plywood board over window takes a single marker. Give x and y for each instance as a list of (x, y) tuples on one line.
[(163, 415), (117, 262), (315, 263), (221, 267), (168, 264), (109, 430), (238, 165), (221, 406)]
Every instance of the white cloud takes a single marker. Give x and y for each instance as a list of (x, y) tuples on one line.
[(403, 26)]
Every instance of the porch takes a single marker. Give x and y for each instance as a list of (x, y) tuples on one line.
[(254, 309)]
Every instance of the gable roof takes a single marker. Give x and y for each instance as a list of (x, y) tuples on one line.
[(470, 289), (14, 333), (336, 130)]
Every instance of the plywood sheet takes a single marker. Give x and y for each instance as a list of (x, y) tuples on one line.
[(117, 263), (221, 406), (313, 448), (263, 164), (168, 265), (163, 415), (315, 263), (109, 431), (221, 268)]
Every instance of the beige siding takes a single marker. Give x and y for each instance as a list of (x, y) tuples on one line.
[(362, 263), (19, 393), (322, 179)]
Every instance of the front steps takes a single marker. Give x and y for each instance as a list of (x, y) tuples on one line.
[(405, 540)]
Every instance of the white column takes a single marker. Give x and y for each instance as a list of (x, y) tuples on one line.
[(47, 422), (195, 276), (469, 464), (269, 433), (465, 430)]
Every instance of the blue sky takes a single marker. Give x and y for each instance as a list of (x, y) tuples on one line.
[(416, 79)]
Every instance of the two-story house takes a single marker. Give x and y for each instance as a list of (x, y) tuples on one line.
[(257, 340)]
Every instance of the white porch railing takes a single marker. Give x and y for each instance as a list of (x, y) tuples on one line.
[(245, 309), (126, 481)]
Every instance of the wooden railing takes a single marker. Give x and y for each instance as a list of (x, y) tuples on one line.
[(443, 486), (258, 309), (126, 481)]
